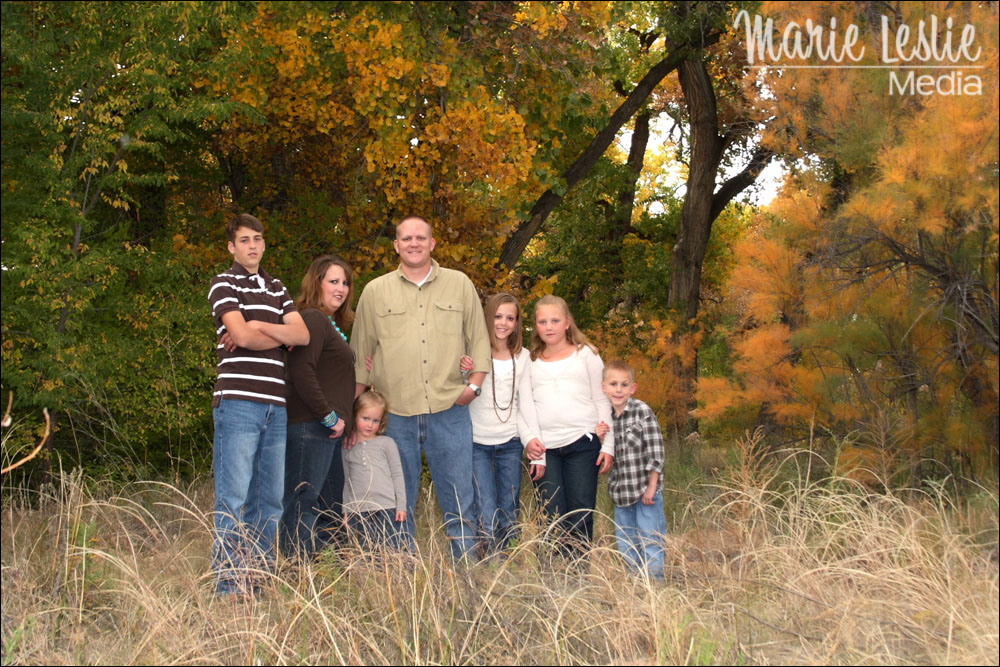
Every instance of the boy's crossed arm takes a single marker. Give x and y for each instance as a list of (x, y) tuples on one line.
[(257, 335)]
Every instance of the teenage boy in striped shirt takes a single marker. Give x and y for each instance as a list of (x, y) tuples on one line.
[(254, 317), (634, 484)]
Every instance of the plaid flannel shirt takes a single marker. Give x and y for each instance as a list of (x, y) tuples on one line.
[(638, 451)]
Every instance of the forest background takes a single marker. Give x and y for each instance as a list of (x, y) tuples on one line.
[(825, 366), (596, 150)]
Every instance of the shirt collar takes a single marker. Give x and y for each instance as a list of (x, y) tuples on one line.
[(240, 270), (431, 275), (629, 406)]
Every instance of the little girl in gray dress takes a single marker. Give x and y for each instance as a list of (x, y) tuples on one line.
[(374, 491)]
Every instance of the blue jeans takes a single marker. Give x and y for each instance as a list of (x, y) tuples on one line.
[(377, 529), (446, 440), (640, 530), (248, 457), (311, 456), (569, 488), (496, 471)]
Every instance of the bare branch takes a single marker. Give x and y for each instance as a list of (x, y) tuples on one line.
[(34, 452)]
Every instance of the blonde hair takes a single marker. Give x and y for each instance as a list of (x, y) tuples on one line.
[(370, 399), (621, 367), (573, 335), (493, 304)]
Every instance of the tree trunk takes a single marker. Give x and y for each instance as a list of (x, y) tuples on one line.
[(702, 205), (696, 214), (515, 244)]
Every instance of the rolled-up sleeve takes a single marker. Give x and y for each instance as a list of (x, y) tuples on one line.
[(477, 338), (652, 436)]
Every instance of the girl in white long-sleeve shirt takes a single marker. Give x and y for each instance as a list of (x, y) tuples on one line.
[(573, 415)]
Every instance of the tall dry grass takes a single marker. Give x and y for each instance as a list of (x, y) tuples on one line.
[(764, 569)]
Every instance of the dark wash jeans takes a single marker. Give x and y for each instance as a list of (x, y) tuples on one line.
[(312, 458), (569, 489)]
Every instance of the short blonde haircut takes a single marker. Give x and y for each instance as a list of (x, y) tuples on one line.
[(621, 366), (430, 229)]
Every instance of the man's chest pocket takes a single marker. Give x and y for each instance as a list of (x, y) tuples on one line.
[(390, 321), (447, 318)]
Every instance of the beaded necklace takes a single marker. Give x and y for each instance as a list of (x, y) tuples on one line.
[(330, 317), (509, 408)]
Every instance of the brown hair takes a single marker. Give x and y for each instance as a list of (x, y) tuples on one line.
[(619, 365), (243, 220), (371, 398), (493, 304), (573, 335), (309, 291)]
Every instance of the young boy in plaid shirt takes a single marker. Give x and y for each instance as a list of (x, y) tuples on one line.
[(634, 484)]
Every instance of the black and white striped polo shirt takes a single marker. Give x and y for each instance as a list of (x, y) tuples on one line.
[(250, 375)]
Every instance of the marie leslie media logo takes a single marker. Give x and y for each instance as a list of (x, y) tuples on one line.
[(928, 58)]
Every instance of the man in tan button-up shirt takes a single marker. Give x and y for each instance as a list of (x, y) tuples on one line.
[(416, 323)]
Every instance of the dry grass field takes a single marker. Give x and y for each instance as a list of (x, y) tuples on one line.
[(761, 569)]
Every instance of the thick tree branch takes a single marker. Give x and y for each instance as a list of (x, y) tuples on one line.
[(741, 181), (518, 240)]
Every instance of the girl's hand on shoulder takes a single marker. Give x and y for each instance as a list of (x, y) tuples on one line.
[(400, 516), (602, 430), (368, 363), (534, 450), (604, 460), (537, 471), (465, 364)]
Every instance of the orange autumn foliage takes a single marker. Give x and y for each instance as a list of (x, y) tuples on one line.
[(870, 287)]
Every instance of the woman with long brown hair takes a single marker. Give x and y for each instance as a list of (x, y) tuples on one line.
[(320, 382)]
